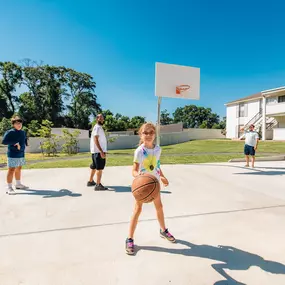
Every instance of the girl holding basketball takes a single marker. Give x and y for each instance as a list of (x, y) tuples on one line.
[(147, 160)]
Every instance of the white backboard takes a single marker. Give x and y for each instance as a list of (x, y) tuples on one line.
[(177, 81)]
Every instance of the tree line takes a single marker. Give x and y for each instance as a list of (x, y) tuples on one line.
[(61, 95), (66, 98), (193, 116)]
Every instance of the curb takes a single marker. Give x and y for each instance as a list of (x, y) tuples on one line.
[(270, 158)]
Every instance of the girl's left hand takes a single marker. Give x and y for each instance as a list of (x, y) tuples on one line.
[(164, 181)]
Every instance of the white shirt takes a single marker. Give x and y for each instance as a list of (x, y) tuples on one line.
[(98, 131), (148, 159), (250, 138)]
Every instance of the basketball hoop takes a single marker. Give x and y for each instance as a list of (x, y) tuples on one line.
[(182, 88)]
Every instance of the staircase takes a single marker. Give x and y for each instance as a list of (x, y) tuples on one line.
[(257, 122), (257, 117)]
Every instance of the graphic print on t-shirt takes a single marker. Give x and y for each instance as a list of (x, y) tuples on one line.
[(148, 159)]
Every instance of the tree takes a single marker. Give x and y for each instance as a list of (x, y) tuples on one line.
[(4, 109), (44, 100), (212, 119), (48, 87), (49, 144), (204, 125), (136, 122), (32, 102), (223, 123), (193, 117), (115, 122), (165, 118), (5, 125), (122, 122), (126, 119), (11, 74), (54, 91), (215, 126), (70, 145), (28, 109), (33, 128), (105, 113), (110, 123), (83, 98)]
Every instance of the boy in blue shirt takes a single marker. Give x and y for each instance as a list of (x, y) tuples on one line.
[(16, 141)]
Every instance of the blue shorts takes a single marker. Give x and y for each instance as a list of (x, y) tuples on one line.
[(15, 162), (249, 150)]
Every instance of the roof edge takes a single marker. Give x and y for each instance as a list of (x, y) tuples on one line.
[(265, 93), (245, 99)]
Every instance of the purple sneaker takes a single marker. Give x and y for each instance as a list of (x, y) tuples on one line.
[(130, 247), (167, 235)]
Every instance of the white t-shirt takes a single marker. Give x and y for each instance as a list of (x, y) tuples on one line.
[(250, 138), (98, 131), (148, 159)]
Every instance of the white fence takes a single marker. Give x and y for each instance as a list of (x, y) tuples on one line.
[(126, 142)]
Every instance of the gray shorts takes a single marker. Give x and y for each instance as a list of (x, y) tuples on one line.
[(15, 162)]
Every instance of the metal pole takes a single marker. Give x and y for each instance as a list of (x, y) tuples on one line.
[(264, 118), (158, 121)]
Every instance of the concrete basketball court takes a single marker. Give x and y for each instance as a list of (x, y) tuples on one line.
[(228, 220)]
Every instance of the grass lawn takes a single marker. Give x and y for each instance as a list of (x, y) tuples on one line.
[(121, 160), (206, 151), (224, 146), (39, 156), (218, 146)]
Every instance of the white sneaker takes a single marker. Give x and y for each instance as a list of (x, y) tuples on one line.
[(21, 187), (11, 191)]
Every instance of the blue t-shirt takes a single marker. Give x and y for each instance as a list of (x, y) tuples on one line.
[(12, 137)]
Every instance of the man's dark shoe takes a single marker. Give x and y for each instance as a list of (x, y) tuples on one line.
[(92, 183), (100, 187)]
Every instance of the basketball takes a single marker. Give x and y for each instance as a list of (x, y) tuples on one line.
[(145, 188)]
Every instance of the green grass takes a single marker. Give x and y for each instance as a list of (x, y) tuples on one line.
[(112, 160), (223, 146), (206, 151), (218, 146), (127, 160), (39, 156)]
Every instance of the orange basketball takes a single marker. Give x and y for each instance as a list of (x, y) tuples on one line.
[(145, 188)]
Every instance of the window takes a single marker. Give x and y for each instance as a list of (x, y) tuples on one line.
[(239, 132), (281, 99), (271, 100), (242, 110)]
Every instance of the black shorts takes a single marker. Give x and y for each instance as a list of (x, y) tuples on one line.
[(249, 150), (98, 162)]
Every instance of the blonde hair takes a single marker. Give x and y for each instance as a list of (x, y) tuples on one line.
[(144, 127), (15, 118)]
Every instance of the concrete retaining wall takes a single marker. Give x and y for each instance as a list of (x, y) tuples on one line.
[(126, 142)]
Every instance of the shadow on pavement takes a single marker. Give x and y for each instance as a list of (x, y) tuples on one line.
[(268, 167), (124, 189), (232, 258), (270, 173), (49, 193)]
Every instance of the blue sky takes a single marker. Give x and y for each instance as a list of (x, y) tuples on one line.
[(238, 45)]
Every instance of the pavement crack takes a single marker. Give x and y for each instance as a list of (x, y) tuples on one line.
[(142, 221)]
